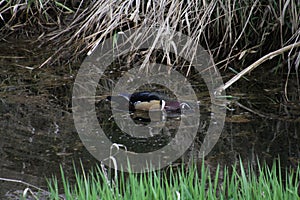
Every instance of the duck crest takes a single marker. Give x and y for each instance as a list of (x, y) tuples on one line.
[(144, 96)]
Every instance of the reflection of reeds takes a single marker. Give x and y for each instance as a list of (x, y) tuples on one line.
[(230, 30)]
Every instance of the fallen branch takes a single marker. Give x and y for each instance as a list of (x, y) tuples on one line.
[(256, 64), (27, 185)]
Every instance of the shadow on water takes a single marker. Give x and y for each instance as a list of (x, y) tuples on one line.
[(38, 134), (36, 125)]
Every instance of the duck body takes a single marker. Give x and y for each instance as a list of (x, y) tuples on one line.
[(146, 101), (149, 105)]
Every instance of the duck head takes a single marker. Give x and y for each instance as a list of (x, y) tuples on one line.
[(176, 106)]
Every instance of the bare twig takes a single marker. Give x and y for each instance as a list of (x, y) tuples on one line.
[(27, 185), (256, 64), (23, 183)]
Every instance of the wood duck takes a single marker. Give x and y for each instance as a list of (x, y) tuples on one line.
[(149, 101)]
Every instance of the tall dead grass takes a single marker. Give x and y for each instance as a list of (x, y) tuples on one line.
[(231, 30)]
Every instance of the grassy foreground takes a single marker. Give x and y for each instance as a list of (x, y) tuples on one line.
[(227, 183)]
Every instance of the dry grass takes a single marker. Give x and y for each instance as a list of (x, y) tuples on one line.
[(23, 16), (240, 31)]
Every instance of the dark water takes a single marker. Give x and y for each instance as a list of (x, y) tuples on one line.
[(38, 133)]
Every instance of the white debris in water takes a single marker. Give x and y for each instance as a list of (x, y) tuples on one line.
[(56, 131)]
